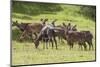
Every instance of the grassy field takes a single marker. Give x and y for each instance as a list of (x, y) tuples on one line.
[(25, 53)]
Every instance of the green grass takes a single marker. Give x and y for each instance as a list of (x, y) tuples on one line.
[(25, 53)]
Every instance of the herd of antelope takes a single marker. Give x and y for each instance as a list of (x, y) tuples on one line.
[(48, 33)]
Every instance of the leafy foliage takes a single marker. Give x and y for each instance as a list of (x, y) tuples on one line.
[(30, 10), (89, 11), (35, 8)]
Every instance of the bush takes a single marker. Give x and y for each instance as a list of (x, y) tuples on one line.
[(89, 11)]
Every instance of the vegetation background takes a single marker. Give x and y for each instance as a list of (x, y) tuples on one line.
[(29, 12)]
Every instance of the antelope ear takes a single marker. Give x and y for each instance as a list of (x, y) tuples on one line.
[(63, 23), (41, 19), (16, 21), (46, 19), (75, 25)]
